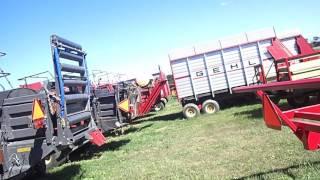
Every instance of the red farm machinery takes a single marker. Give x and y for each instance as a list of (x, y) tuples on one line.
[(42, 127), (37, 86), (118, 104), (143, 98), (297, 81)]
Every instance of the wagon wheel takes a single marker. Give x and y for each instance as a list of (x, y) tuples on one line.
[(159, 107), (210, 106), (190, 111), (298, 101)]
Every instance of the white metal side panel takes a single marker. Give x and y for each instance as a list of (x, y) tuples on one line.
[(182, 78), (184, 88), (226, 63), (216, 71), (199, 75), (233, 65), (250, 59)]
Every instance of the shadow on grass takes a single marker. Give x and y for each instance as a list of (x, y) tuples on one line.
[(136, 129), (238, 102), (167, 117), (87, 152), (93, 152), (255, 113), (285, 171), (127, 130), (67, 173), (150, 114)]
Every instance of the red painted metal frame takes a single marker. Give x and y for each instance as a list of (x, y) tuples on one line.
[(259, 70), (304, 122), (154, 95), (283, 57), (297, 84), (37, 86)]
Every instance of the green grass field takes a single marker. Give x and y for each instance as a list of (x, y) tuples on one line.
[(232, 144)]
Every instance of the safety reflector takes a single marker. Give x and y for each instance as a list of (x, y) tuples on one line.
[(124, 105), (97, 138), (37, 114)]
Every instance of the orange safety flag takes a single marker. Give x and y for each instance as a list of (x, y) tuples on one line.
[(124, 105)]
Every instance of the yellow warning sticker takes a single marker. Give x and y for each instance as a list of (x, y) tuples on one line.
[(124, 105), (24, 149)]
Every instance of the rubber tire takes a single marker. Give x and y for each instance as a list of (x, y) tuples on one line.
[(159, 107), (164, 100), (191, 108), (292, 101), (275, 99), (209, 103), (54, 162)]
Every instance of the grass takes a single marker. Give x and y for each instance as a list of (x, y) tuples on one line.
[(232, 144)]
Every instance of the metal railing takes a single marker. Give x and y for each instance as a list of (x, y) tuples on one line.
[(4, 74)]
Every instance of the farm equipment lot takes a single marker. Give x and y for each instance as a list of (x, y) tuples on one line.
[(232, 144)]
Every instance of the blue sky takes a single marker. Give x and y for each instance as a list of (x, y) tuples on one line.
[(135, 36)]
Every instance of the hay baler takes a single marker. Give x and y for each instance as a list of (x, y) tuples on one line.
[(117, 105), (39, 128), (105, 100)]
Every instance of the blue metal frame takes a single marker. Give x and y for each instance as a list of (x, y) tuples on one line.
[(86, 75), (57, 67), (62, 45)]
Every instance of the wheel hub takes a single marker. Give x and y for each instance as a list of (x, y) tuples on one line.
[(191, 112), (48, 160), (210, 108)]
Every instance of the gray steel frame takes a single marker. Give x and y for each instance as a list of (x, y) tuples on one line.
[(22, 145), (105, 109)]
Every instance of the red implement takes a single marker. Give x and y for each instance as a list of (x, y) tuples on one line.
[(297, 84), (35, 86), (304, 122), (97, 138), (155, 93), (278, 50)]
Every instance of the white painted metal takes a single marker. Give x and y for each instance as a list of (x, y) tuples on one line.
[(228, 63), (207, 72)]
